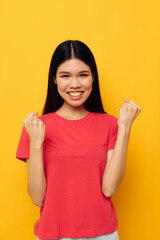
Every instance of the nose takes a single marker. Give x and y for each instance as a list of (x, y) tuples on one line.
[(74, 82)]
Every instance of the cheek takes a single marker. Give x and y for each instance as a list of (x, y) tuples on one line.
[(61, 85), (88, 85)]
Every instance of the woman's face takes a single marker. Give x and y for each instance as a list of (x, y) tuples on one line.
[(74, 82)]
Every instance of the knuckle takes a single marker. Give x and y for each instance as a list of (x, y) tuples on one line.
[(34, 121), (40, 121)]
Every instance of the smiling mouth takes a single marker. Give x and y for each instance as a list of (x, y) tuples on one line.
[(75, 93)]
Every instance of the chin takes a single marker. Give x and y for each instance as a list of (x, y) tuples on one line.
[(76, 105)]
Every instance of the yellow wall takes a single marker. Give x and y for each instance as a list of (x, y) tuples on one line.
[(124, 37)]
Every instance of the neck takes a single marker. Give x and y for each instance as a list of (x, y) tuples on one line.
[(72, 112)]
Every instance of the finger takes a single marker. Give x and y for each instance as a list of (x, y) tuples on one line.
[(27, 118), (139, 108), (40, 123), (132, 102), (34, 118), (35, 113), (33, 121), (30, 115), (126, 100), (137, 112)]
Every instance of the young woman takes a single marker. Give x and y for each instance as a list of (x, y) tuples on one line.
[(75, 151)]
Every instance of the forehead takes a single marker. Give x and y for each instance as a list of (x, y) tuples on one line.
[(73, 65)]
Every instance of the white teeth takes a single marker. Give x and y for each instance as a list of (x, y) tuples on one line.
[(75, 93)]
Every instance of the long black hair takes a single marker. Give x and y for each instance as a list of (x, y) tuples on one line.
[(64, 51)]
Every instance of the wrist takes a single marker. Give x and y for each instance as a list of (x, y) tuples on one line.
[(125, 129), (36, 146)]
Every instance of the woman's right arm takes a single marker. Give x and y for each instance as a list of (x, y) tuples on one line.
[(36, 175), (35, 128)]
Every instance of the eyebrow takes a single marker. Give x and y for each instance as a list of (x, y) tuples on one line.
[(79, 72)]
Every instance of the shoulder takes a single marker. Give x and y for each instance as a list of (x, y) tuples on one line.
[(104, 120), (105, 116), (47, 116)]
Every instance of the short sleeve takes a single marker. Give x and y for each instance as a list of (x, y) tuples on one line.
[(23, 149), (113, 131)]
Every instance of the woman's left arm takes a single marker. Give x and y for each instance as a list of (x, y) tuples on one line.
[(116, 159)]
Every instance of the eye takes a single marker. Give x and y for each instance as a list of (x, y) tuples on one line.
[(64, 76), (84, 75)]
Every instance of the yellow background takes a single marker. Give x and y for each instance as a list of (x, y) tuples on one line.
[(124, 37)]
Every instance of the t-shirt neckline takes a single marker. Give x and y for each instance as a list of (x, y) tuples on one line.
[(72, 120)]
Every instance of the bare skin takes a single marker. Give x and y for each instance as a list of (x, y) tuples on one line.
[(35, 128), (116, 159)]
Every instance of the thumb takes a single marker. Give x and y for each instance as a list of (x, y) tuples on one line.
[(35, 113), (126, 100)]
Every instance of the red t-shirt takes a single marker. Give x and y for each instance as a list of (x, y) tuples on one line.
[(74, 155)]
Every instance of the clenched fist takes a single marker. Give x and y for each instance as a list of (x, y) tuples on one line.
[(127, 114), (35, 128)]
